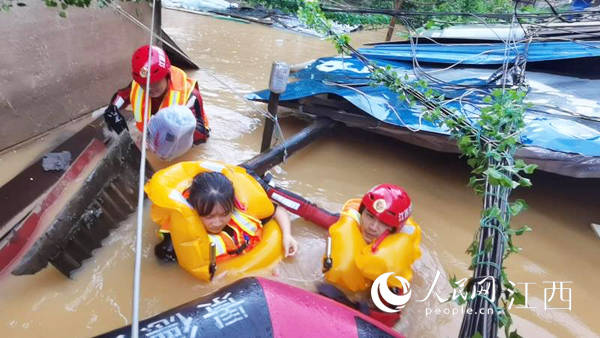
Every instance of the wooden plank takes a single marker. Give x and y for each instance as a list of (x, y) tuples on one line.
[(25, 188), (24, 236)]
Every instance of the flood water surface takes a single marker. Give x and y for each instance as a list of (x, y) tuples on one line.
[(235, 59)]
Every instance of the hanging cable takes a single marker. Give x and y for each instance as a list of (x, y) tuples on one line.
[(142, 176)]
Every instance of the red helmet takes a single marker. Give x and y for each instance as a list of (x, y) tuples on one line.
[(388, 203), (159, 65)]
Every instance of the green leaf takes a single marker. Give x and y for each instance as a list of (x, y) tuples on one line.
[(493, 212), (520, 164), (495, 177), (487, 244), (524, 182), (473, 247), (477, 335), (493, 174), (62, 14), (429, 25), (529, 169), (504, 320), (523, 230), (464, 141), (472, 162), (452, 281), (519, 298), (514, 334), (517, 206)]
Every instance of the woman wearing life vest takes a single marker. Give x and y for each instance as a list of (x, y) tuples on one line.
[(373, 235), (231, 230), (217, 218), (169, 86)]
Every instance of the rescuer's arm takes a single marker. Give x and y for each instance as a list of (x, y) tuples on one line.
[(196, 105), (112, 116)]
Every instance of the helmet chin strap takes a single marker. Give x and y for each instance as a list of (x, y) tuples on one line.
[(383, 236), (379, 240)]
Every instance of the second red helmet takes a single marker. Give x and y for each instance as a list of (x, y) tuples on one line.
[(389, 203), (158, 67)]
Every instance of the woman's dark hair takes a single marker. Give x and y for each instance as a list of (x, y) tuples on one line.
[(210, 189)]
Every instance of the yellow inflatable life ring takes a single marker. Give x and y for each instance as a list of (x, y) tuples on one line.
[(355, 266), (190, 239)]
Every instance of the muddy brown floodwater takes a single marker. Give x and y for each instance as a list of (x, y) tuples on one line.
[(342, 165)]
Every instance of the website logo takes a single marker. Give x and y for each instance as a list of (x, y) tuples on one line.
[(380, 290)]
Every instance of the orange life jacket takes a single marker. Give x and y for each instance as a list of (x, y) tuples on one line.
[(240, 235), (178, 93)]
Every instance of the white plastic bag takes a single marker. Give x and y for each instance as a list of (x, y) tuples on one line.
[(171, 132)]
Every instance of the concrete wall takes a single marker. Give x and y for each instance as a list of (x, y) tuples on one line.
[(55, 69)]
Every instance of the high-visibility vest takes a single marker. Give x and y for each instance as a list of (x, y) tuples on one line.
[(241, 234), (178, 93)]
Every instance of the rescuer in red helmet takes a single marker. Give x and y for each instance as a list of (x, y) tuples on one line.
[(383, 210), (169, 86), (373, 236)]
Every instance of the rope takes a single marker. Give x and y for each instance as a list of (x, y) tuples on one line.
[(495, 227), (140, 211)]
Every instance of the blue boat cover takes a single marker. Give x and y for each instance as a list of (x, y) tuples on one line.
[(564, 117), (485, 53)]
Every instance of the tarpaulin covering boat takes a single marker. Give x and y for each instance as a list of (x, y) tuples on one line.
[(562, 132)]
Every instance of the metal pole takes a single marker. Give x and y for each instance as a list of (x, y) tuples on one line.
[(265, 161), (269, 123), (140, 212), (280, 71), (158, 22)]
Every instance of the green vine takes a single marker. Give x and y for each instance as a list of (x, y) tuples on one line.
[(488, 142), (292, 6)]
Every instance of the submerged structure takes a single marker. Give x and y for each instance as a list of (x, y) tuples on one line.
[(562, 133)]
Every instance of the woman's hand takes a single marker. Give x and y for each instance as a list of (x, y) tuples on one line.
[(290, 246)]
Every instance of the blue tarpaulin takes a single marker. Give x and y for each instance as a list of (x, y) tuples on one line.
[(564, 117), (485, 53)]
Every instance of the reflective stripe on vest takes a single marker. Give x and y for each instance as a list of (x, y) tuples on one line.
[(221, 247), (352, 213), (179, 91), (225, 243), (212, 166), (137, 96), (247, 223)]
